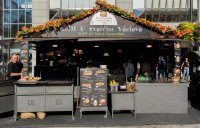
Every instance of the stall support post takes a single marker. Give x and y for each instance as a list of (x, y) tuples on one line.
[(25, 58), (78, 88), (177, 59)]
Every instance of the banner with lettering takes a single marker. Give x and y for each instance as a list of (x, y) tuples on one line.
[(102, 24)]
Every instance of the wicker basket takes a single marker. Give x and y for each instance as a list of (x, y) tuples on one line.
[(41, 115), (27, 115)]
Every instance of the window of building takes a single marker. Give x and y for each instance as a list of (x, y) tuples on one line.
[(29, 4), (148, 3), (163, 3), (14, 4), (169, 3), (169, 10), (7, 16), (21, 25), (156, 18), (183, 3), (16, 14), (194, 15), (21, 16), (14, 29), (6, 30), (155, 3), (177, 3), (149, 17), (183, 17), (176, 18), (169, 18), (7, 4), (162, 18), (21, 4), (28, 16)]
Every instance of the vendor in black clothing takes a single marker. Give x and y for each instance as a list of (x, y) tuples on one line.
[(15, 68)]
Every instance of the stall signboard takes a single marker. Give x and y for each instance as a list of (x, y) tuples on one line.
[(101, 24), (93, 82)]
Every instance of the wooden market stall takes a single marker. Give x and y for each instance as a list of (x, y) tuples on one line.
[(51, 50)]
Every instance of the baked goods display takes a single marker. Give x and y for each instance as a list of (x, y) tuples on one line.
[(88, 85), (85, 101), (102, 101), (28, 78), (87, 73), (99, 84), (100, 71)]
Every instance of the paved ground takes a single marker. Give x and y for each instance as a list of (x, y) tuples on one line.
[(55, 120)]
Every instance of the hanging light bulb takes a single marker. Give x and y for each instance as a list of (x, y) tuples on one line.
[(149, 46)]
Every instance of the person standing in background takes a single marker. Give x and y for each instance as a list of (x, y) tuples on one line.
[(186, 68), (137, 71), (161, 68), (14, 68), (146, 68), (129, 70)]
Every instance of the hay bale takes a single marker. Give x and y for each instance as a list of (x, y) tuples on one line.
[(41, 115), (27, 115)]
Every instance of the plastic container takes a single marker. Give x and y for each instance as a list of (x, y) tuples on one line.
[(114, 88)]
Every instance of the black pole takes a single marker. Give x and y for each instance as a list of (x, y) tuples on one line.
[(191, 10)]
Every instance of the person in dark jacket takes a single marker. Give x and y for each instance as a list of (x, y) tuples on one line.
[(161, 68), (14, 68)]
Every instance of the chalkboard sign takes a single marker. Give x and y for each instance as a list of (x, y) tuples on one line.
[(93, 82)]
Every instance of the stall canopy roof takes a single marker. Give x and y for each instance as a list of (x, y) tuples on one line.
[(127, 25), (192, 55)]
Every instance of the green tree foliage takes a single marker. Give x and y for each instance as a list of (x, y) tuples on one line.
[(193, 30)]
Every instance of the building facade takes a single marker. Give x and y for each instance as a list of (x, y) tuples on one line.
[(18, 13), (170, 12), (1, 14), (166, 10)]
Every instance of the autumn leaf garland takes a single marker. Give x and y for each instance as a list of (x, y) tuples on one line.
[(55, 25)]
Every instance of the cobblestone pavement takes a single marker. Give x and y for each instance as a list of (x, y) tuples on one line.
[(120, 120), (154, 126)]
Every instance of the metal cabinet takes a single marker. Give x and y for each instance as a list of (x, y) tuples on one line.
[(30, 103), (6, 96), (62, 102), (43, 96), (123, 100)]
